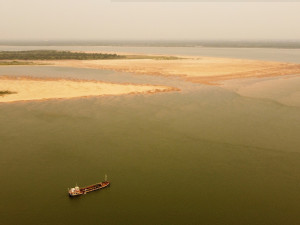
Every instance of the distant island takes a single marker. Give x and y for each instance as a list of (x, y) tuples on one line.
[(285, 43)]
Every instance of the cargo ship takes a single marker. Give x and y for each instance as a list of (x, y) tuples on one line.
[(76, 191)]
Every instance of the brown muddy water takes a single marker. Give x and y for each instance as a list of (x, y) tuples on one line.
[(206, 155)]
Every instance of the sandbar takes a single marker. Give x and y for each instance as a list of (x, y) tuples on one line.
[(29, 89), (206, 70)]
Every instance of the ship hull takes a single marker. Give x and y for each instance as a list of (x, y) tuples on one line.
[(94, 187)]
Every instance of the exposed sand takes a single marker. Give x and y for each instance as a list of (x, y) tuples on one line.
[(206, 70), (41, 89)]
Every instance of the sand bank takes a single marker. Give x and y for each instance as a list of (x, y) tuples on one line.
[(206, 70), (28, 89)]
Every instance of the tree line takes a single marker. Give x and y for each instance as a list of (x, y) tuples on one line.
[(54, 55)]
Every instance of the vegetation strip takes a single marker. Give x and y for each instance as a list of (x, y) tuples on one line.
[(53, 55), (17, 63), (7, 92), (67, 55)]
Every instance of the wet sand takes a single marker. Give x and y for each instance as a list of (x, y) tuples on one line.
[(28, 89), (283, 90)]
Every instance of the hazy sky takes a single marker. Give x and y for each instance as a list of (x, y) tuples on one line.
[(102, 19)]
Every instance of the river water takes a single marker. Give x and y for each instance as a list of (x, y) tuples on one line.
[(206, 155)]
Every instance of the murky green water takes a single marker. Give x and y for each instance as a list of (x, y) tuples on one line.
[(202, 156)]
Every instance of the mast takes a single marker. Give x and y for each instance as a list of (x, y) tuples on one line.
[(105, 178)]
